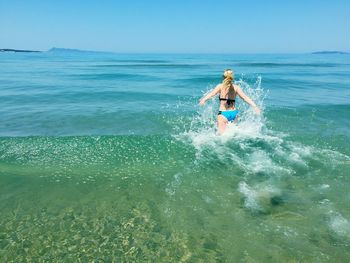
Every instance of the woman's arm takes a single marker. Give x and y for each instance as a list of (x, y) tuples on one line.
[(215, 91), (247, 99)]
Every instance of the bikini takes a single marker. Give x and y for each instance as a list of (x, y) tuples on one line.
[(230, 115)]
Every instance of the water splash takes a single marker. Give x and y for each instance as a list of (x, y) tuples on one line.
[(202, 128), (202, 132), (259, 197)]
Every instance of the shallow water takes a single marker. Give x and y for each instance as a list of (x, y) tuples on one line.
[(108, 157)]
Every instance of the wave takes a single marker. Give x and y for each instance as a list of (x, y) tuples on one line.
[(133, 61), (204, 80), (91, 95), (298, 65), (151, 65), (113, 76)]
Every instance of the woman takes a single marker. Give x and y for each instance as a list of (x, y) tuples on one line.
[(227, 94)]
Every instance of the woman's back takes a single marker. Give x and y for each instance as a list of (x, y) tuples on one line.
[(227, 97)]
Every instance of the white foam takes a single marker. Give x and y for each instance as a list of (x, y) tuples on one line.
[(202, 129), (173, 185), (250, 196), (259, 161), (259, 196), (339, 224), (334, 157), (324, 186)]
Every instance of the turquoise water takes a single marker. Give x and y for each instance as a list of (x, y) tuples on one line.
[(108, 157)]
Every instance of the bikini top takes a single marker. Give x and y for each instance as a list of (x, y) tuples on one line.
[(228, 101)]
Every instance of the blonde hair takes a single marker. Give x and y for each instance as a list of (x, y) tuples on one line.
[(228, 77)]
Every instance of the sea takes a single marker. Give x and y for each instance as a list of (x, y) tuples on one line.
[(108, 157)]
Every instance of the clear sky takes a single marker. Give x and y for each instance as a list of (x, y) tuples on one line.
[(181, 26)]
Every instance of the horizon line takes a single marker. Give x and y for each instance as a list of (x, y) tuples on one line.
[(55, 49)]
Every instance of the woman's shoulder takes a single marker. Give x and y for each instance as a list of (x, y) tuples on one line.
[(218, 86), (235, 87)]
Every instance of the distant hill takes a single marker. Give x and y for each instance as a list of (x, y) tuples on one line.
[(71, 50), (56, 51), (330, 52), (17, 50)]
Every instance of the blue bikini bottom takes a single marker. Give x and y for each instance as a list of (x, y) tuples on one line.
[(230, 115)]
